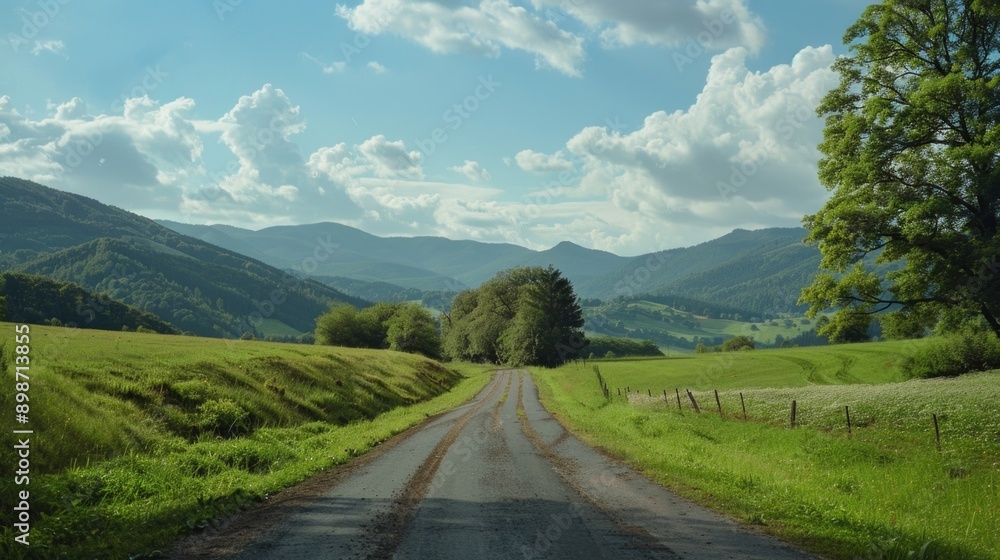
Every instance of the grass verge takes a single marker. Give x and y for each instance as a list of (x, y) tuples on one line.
[(142, 438), (884, 491)]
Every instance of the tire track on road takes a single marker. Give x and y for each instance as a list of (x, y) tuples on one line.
[(388, 529)]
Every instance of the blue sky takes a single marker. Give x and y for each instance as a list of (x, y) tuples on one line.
[(628, 126)]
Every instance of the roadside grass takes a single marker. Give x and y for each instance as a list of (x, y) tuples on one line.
[(884, 491), (142, 438), (872, 362)]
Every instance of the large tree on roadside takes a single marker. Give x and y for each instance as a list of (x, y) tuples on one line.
[(911, 149), (523, 316)]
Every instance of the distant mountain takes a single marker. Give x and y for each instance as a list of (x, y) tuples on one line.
[(190, 283), (422, 263), (762, 271), (36, 299)]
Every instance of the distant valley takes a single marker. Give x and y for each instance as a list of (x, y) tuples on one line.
[(225, 281)]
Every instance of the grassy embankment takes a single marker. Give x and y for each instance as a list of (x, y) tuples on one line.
[(882, 491), (141, 438)]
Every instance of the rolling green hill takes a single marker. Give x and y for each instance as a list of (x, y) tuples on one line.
[(37, 299), (760, 271), (680, 324), (145, 438), (192, 284)]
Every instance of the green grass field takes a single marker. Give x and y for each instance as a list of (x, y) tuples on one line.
[(652, 316), (882, 491), (140, 438), (786, 367)]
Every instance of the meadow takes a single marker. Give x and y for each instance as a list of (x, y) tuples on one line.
[(883, 489), (141, 438)]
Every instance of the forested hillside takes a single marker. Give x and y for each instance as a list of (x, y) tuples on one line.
[(761, 272), (192, 284), (35, 299)]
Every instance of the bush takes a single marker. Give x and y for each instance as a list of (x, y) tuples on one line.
[(738, 342), (223, 417), (954, 355)]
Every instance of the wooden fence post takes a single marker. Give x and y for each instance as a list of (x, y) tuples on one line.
[(793, 413), (693, 402), (847, 411), (678, 393), (744, 405), (717, 402), (937, 432)]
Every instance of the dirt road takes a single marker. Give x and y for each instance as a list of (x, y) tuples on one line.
[(496, 478)]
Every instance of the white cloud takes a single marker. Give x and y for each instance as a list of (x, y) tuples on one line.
[(716, 24), (377, 67), (391, 159), (542, 163), (51, 46), (472, 170), (744, 152), (445, 26), (332, 68)]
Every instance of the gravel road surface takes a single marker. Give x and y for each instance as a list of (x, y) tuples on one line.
[(496, 478)]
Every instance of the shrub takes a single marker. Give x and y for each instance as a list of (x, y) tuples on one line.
[(954, 355), (223, 417), (738, 342)]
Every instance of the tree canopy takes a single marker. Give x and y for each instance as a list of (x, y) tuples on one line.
[(405, 327), (911, 147), (523, 316)]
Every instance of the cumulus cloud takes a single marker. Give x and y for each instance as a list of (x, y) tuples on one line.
[(742, 155), (472, 170), (390, 159), (490, 26), (144, 151), (376, 67), (726, 23), (445, 26), (542, 163), (745, 148)]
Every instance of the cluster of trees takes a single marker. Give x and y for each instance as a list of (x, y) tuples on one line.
[(523, 316), (26, 298), (599, 347), (735, 344), (405, 327)]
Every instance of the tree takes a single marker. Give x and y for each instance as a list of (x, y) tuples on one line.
[(523, 316), (738, 342), (338, 327), (910, 152), (412, 329)]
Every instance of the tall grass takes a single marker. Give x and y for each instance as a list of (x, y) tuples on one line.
[(140, 438), (882, 491)]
